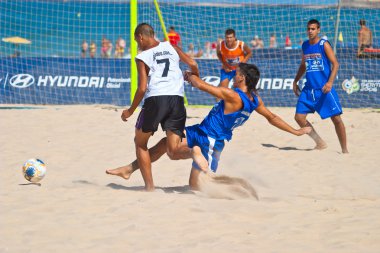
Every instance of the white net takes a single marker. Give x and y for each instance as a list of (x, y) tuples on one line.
[(52, 69), (201, 24)]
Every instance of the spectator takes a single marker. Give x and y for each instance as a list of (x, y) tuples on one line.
[(288, 42), (109, 49), (260, 43), (365, 39), (254, 42), (84, 48), (120, 48), (104, 48), (257, 43), (16, 53), (214, 47), (92, 49), (273, 41), (192, 53), (174, 37), (208, 49)]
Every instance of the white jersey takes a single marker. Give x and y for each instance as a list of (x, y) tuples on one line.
[(164, 77)]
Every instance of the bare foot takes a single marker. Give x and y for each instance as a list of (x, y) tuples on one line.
[(321, 145), (124, 172), (199, 158), (345, 151)]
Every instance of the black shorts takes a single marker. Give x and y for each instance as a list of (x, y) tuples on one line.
[(363, 46), (169, 111)]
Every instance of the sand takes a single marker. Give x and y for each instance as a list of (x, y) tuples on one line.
[(309, 200)]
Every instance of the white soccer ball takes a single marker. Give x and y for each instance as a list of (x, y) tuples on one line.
[(34, 170)]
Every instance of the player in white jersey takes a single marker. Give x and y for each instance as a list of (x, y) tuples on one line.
[(161, 85), (205, 142)]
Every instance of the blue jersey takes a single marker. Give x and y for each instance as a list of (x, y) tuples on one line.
[(219, 125), (318, 66)]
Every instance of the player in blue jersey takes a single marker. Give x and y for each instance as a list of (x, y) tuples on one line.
[(205, 141), (321, 67)]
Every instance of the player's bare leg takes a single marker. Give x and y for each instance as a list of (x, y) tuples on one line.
[(143, 158), (155, 153), (194, 179), (124, 171), (202, 163), (176, 147), (199, 159), (302, 122), (341, 132)]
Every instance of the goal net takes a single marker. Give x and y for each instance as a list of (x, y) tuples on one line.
[(58, 63)]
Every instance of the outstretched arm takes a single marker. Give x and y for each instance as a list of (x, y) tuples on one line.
[(220, 92), (188, 60), (279, 122)]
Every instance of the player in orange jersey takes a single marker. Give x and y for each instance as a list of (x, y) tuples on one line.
[(231, 52)]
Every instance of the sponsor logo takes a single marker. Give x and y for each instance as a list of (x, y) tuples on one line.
[(26, 80), (313, 62), (81, 81), (213, 80), (351, 86), (278, 83), (263, 84), (354, 85), (115, 83), (21, 81)]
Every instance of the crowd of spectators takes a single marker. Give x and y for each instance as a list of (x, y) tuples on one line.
[(107, 49), (209, 49)]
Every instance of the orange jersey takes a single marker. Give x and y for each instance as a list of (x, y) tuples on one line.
[(232, 56)]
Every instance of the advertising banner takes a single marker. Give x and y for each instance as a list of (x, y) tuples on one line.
[(107, 81)]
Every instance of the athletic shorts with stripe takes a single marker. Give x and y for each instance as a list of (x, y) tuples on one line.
[(326, 104), (169, 111), (211, 148)]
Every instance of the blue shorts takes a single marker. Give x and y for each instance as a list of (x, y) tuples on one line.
[(326, 104), (229, 75), (211, 148)]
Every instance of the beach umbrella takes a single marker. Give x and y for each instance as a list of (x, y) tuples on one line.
[(16, 40)]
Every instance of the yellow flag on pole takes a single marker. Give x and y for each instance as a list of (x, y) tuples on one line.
[(340, 38)]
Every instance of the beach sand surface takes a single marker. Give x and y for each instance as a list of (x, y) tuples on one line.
[(309, 200)]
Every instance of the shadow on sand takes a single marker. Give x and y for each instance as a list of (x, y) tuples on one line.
[(285, 148), (185, 189)]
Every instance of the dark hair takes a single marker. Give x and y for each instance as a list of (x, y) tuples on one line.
[(362, 21), (252, 75), (230, 31), (314, 21), (172, 27), (144, 29)]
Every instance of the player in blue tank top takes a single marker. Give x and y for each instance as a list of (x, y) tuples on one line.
[(204, 142), (321, 67)]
